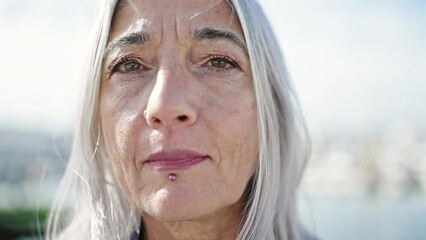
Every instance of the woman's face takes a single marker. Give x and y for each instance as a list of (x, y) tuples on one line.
[(177, 107)]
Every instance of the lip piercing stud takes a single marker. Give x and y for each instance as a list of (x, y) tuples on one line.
[(172, 177)]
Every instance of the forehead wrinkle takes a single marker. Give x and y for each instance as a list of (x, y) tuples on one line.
[(134, 7), (205, 9), (176, 27), (121, 4), (216, 34)]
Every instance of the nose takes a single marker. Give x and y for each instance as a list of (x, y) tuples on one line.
[(171, 102)]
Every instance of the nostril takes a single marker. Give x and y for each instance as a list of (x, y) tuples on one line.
[(155, 120), (182, 118)]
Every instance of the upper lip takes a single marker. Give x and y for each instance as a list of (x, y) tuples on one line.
[(172, 155)]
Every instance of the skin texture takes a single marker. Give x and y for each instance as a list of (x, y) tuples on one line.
[(197, 95)]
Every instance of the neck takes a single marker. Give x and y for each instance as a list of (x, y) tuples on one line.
[(223, 225)]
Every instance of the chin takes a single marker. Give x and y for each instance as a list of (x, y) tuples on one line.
[(177, 203)]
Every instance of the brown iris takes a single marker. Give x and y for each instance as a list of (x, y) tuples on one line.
[(219, 63), (131, 66)]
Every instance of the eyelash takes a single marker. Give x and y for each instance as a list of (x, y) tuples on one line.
[(230, 61), (112, 68), (114, 65)]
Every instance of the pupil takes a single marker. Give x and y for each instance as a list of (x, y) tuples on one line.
[(131, 66), (219, 63)]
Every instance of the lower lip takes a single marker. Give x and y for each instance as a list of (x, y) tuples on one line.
[(175, 163)]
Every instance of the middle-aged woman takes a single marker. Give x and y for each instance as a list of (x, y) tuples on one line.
[(189, 128)]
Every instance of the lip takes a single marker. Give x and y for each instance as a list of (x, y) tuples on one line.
[(175, 159)]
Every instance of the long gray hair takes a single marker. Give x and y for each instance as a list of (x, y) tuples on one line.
[(90, 204)]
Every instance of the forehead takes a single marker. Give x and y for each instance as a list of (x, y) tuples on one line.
[(181, 15)]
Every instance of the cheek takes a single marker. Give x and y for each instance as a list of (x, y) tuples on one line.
[(120, 109), (239, 157), (233, 118), (116, 128), (240, 147), (233, 124), (119, 121)]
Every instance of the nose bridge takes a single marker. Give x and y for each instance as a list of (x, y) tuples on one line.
[(167, 89), (170, 102)]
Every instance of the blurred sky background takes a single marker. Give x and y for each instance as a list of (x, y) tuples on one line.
[(356, 64)]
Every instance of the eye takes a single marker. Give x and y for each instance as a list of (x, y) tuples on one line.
[(130, 66), (221, 63), (125, 65)]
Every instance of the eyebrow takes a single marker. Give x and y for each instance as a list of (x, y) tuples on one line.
[(140, 38), (134, 38), (215, 34)]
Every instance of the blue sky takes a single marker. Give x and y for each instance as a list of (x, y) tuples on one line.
[(355, 64)]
